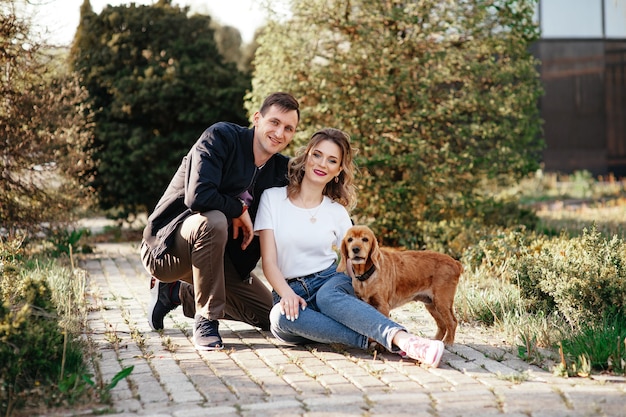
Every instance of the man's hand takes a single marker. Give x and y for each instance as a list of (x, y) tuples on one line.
[(243, 222)]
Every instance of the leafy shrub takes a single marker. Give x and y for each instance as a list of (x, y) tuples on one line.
[(68, 241), (583, 277), (496, 247), (39, 106), (140, 97), (432, 120), (492, 219), (35, 350)]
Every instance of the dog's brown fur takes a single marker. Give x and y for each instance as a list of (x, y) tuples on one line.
[(401, 276)]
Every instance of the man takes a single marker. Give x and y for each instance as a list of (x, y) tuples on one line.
[(201, 230)]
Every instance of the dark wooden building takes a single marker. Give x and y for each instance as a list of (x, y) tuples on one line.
[(583, 69)]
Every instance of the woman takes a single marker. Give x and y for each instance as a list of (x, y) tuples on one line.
[(299, 227)]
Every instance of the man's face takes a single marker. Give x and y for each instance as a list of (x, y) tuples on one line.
[(276, 129)]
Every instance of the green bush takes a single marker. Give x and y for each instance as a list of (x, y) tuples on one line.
[(434, 121), (157, 81), (36, 348), (42, 131), (491, 220), (495, 247), (583, 278), (68, 241)]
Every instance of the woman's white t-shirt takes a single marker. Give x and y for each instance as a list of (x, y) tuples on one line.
[(302, 247)]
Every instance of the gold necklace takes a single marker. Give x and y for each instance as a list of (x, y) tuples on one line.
[(312, 217)]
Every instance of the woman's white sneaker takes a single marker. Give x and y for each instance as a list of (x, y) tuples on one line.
[(426, 351)]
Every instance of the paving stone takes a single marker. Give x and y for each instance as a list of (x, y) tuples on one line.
[(150, 390), (128, 406), (345, 388), (194, 410), (283, 412), (549, 412)]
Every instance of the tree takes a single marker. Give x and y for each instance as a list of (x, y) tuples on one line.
[(229, 43), (156, 80), (438, 95), (41, 133)]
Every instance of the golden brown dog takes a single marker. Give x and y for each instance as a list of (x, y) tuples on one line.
[(388, 278)]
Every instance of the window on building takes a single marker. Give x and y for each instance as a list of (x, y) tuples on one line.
[(571, 18), (590, 19), (615, 18)]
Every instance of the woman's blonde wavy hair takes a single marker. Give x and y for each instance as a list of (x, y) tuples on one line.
[(343, 190)]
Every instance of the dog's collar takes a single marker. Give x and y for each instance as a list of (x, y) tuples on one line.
[(366, 275)]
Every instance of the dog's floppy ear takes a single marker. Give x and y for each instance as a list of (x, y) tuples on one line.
[(375, 254), (344, 255)]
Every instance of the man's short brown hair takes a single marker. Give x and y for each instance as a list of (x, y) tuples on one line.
[(284, 101)]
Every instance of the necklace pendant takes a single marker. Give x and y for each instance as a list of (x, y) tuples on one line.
[(312, 219)]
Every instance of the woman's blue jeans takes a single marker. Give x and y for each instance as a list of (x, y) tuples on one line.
[(333, 314)]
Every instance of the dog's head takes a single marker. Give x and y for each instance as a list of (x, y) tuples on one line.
[(360, 246)]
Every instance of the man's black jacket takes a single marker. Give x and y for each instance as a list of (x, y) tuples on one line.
[(214, 173)]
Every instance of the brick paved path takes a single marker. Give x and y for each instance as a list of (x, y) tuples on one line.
[(255, 376)]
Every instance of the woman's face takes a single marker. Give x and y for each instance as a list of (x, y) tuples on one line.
[(323, 162)]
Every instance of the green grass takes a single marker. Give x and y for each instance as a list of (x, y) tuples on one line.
[(602, 345), (580, 278), (489, 294), (486, 299), (545, 187), (39, 327), (42, 317)]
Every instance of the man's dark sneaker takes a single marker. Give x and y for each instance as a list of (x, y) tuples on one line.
[(160, 302), (206, 335)]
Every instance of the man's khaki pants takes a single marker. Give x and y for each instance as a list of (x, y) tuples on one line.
[(216, 290)]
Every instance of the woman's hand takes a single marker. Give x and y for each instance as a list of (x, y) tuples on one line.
[(290, 306)]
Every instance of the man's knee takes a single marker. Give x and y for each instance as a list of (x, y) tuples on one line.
[(209, 225)]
